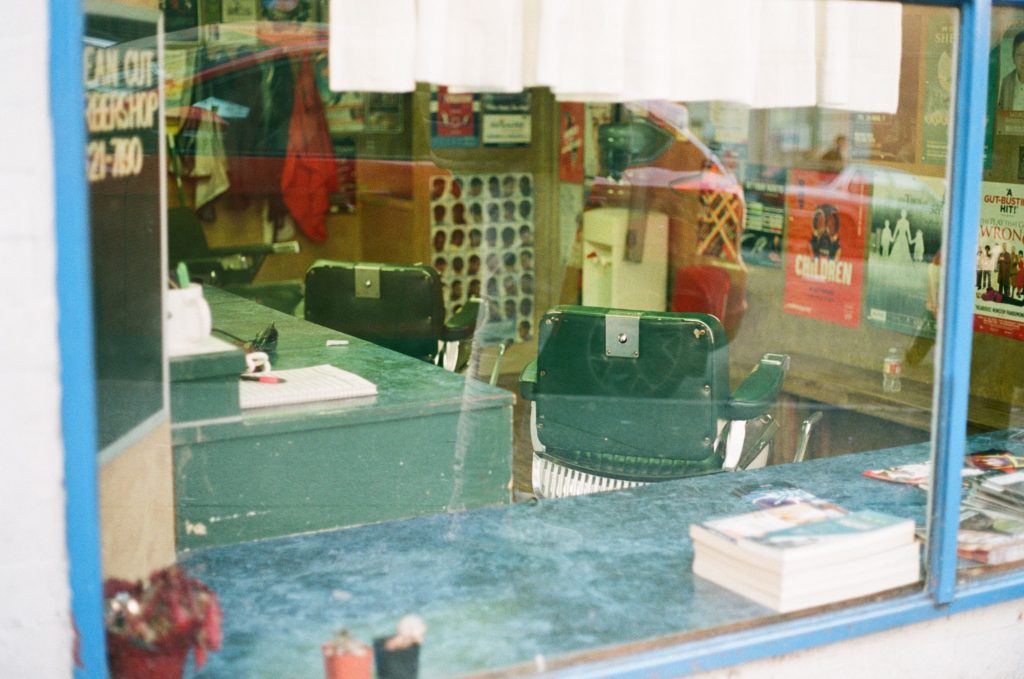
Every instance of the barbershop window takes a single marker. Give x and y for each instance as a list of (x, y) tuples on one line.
[(517, 304)]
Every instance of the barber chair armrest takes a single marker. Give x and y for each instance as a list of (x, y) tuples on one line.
[(528, 380), (461, 325), (760, 389)]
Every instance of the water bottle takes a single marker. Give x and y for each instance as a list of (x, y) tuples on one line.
[(892, 366)]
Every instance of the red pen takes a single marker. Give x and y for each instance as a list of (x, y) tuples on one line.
[(265, 379)]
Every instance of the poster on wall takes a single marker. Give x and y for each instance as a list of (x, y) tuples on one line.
[(506, 119), (938, 84), (570, 223), (289, 10), (385, 112), (903, 245), (454, 119), (239, 11), (180, 15), (596, 116), (764, 190), (1004, 129), (827, 217), (570, 145), (345, 112), (482, 238), (344, 200), (999, 282)]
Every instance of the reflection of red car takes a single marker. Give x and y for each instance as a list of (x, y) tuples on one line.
[(679, 176), (253, 91)]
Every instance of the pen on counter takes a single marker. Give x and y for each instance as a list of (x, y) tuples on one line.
[(265, 379)]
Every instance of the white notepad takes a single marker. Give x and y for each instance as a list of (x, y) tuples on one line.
[(304, 385)]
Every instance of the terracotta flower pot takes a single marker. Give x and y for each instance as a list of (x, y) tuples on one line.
[(133, 662)]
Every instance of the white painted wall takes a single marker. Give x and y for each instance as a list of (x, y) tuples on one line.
[(985, 642), (35, 622)]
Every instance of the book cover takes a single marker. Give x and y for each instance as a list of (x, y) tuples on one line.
[(1008, 485), (912, 474), (1001, 460), (772, 494), (827, 219)]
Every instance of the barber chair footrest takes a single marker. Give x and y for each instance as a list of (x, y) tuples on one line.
[(552, 480)]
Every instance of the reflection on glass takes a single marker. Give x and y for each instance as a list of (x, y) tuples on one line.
[(787, 261)]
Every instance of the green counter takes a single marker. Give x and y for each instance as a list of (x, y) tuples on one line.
[(430, 441)]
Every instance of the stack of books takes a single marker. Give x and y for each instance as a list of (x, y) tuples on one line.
[(806, 554)]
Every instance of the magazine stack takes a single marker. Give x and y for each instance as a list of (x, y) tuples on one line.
[(992, 520), (806, 554)]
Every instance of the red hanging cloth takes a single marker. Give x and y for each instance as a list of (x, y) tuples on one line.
[(310, 170)]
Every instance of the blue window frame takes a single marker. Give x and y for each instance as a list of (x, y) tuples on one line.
[(942, 596)]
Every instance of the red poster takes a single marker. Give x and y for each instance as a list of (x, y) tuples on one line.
[(827, 221), (570, 149), (454, 114)]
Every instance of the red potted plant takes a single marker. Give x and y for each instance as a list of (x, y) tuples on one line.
[(153, 624)]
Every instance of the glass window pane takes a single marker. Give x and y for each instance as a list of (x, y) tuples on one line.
[(551, 295)]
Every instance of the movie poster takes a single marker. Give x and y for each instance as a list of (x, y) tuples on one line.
[(764, 190), (903, 245), (453, 119), (999, 283), (1004, 129), (570, 145), (938, 85), (482, 237), (825, 234)]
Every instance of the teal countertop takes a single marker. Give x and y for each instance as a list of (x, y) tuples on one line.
[(501, 587)]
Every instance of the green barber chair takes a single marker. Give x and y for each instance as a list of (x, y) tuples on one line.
[(396, 306), (623, 398)]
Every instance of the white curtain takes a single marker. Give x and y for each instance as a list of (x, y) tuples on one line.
[(764, 53)]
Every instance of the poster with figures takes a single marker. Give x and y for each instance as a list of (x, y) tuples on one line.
[(827, 217), (482, 236), (764, 190), (999, 283), (904, 243)]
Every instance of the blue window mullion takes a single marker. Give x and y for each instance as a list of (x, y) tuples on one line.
[(75, 334), (957, 299)]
